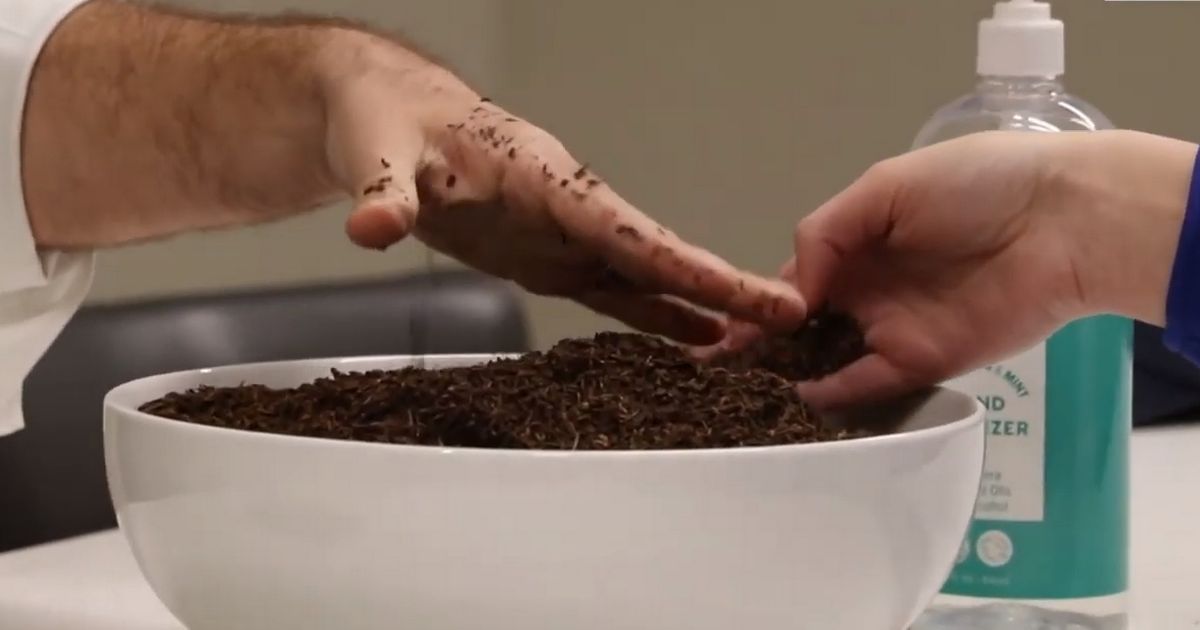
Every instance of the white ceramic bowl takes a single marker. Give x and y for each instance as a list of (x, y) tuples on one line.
[(246, 531)]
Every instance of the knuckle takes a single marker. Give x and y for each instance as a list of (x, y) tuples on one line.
[(884, 173), (807, 235), (801, 234)]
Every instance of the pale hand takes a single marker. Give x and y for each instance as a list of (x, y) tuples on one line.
[(968, 251)]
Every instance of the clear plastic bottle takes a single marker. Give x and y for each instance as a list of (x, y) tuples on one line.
[(1015, 104), (1049, 547)]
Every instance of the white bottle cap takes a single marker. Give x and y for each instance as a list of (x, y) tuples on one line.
[(1021, 39)]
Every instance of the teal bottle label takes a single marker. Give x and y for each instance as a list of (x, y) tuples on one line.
[(1051, 521)]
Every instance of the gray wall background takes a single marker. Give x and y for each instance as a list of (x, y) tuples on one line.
[(727, 121)]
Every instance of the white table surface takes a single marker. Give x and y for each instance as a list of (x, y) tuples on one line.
[(92, 582)]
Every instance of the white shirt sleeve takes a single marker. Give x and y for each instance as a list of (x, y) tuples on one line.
[(39, 290)]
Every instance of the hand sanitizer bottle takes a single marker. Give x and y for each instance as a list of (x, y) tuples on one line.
[(1049, 547)]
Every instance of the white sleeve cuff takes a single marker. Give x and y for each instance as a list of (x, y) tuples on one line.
[(39, 291), (30, 320)]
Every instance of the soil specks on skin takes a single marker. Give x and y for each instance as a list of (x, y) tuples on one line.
[(451, 180), (614, 391), (512, 153), (579, 196), (629, 232), (564, 183), (581, 172), (377, 187), (385, 163)]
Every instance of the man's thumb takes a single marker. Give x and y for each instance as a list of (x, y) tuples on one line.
[(386, 206)]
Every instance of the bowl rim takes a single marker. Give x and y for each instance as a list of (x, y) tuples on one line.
[(115, 409)]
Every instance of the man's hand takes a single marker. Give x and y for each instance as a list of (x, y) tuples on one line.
[(427, 156), (971, 250), (143, 123)]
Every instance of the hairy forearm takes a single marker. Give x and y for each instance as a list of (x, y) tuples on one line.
[(141, 123)]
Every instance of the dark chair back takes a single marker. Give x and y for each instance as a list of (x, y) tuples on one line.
[(52, 482)]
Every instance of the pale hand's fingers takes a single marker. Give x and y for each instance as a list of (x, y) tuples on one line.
[(870, 379), (650, 256), (843, 227), (656, 314), (787, 273)]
